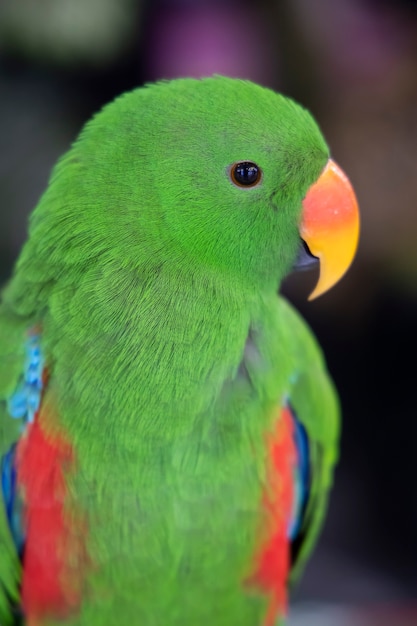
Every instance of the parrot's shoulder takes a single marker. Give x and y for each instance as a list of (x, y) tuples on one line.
[(13, 335), (311, 389), (304, 343)]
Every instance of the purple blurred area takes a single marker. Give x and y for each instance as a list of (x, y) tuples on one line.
[(210, 37), (353, 63)]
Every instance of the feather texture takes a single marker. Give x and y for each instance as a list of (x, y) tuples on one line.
[(145, 459)]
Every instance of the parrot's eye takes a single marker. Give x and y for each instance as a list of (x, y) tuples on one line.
[(245, 174)]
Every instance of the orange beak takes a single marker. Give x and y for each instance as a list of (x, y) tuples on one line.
[(330, 225)]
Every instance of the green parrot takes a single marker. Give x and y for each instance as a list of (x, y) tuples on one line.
[(168, 429)]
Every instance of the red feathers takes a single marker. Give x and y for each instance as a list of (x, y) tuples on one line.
[(49, 587), (273, 559)]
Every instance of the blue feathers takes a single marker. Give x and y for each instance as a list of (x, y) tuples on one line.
[(23, 405), (12, 503), (25, 402), (301, 477)]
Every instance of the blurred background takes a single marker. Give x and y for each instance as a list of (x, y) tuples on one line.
[(353, 63)]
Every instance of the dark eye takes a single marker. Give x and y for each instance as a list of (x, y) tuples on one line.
[(245, 174)]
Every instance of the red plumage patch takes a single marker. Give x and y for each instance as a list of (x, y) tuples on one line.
[(273, 558), (53, 549)]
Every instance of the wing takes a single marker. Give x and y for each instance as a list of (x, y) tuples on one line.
[(35, 534), (20, 390), (22, 406), (316, 418), (301, 454)]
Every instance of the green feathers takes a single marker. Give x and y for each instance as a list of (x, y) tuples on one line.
[(148, 180), (154, 279)]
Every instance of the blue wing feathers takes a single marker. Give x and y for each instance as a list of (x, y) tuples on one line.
[(23, 405), (301, 476), (25, 401), (12, 503)]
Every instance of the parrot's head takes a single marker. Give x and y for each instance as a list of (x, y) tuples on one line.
[(219, 174)]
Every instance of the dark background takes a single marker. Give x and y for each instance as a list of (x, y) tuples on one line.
[(354, 64)]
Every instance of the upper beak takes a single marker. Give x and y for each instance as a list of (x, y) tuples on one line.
[(330, 226)]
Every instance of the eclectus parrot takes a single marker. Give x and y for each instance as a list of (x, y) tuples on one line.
[(168, 429)]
